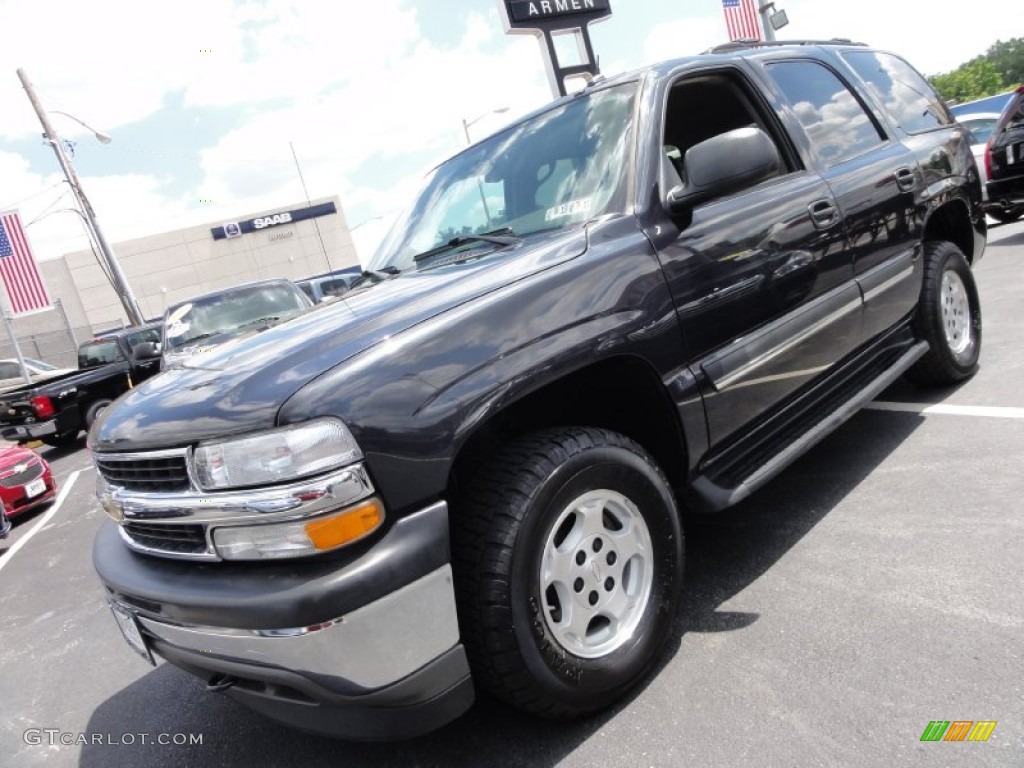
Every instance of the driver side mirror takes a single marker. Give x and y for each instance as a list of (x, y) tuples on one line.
[(722, 165)]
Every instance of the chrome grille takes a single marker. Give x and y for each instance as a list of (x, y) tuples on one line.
[(27, 475), (169, 539), (150, 474)]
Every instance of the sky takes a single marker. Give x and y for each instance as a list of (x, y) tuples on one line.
[(207, 100)]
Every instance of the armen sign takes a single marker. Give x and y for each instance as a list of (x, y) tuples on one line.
[(541, 10), (547, 18)]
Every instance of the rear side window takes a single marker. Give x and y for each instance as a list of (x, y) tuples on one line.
[(836, 122), (99, 353), (909, 99)]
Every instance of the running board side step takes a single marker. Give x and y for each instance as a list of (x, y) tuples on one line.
[(715, 497)]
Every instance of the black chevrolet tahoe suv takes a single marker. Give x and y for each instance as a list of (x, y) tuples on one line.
[(647, 297), (58, 409)]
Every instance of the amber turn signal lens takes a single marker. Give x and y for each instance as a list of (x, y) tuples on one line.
[(336, 530)]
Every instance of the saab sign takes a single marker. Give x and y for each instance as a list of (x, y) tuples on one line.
[(272, 221), (525, 13), (258, 224)]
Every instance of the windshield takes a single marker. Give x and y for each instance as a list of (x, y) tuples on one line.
[(230, 312), (558, 169)]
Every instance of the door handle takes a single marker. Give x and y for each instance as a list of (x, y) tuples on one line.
[(823, 213), (905, 179)]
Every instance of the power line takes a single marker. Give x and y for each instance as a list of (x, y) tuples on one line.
[(34, 194)]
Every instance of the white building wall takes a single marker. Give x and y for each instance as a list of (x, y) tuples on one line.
[(167, 267)]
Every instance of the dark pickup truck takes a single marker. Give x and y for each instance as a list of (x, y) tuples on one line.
[(57, 410), (647, 297)]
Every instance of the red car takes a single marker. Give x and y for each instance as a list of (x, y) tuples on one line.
[(25, 481)]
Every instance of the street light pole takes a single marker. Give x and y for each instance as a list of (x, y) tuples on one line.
[(466, 124), (117, 277), (469, 142)]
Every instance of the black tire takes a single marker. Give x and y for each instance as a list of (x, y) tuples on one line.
[(93, 411), (948, 317), (505, 526), (1006, 215), (62, 440)]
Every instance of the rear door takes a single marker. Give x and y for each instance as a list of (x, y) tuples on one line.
[(876, 181)]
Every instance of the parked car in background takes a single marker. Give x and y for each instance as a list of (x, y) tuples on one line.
[(58, 409), (201, 323), (1004, 161), (322, 287), (26, 481), (981, 125), (38, 371)]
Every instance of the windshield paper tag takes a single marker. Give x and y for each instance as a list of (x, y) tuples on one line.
[(568, 209)]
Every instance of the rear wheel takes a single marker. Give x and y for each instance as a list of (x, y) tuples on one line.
[(1006, 215), (569, 561), (94, 411), (948, 318)]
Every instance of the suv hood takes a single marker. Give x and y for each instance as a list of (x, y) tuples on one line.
[(239, 386)]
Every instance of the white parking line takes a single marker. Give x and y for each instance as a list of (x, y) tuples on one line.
[(989, 411), (43, 520)]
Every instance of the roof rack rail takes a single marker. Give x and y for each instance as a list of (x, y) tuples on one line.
[(739, 45)]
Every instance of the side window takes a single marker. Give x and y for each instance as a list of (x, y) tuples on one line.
[(906, 96), (837, 124), (702, 106), (9, 371)]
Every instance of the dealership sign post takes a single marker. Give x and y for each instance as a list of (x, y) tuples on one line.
[(546, 19)]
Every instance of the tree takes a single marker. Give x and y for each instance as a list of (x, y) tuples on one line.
[(974, 80), (1008, 60)]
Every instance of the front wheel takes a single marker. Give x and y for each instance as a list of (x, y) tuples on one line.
[(568, 557), (948, 317)]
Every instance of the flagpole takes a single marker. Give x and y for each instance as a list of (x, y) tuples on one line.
[(118, 279)]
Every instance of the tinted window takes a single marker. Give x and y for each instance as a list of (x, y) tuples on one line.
[(906, 96), (9, 371), (149, 334), (837, 124), (98, 353)]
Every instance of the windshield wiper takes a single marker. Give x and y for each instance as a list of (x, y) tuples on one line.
[(504, 236), (384, 273), (258, 320)]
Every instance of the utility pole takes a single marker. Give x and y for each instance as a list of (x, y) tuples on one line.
[(117, 277)]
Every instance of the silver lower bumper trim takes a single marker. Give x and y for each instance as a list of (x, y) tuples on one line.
[(373, 646)]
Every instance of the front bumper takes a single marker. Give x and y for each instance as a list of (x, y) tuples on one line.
[(367, 650)]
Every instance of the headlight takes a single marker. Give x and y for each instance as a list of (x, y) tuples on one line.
[(277, 456)]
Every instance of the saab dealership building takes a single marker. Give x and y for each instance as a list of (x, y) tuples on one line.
[(293, 241)]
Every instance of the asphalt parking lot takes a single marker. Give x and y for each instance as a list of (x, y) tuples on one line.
[(872, 588)]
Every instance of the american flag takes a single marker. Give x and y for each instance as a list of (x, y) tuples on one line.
[(18, 268), (741, 19)]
